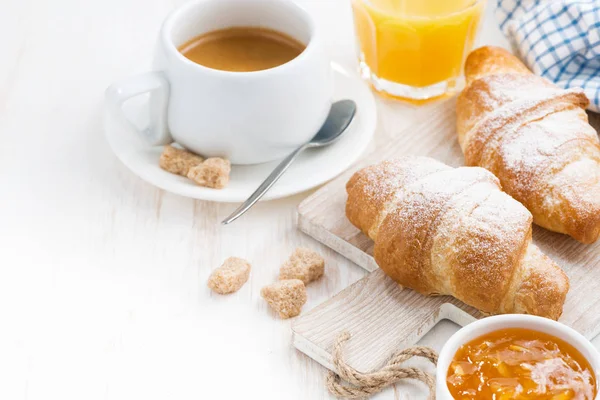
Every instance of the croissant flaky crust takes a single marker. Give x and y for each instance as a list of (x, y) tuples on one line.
[(452, 231), (535, 137)]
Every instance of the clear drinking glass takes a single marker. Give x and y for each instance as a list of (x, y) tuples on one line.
[(415, 49)]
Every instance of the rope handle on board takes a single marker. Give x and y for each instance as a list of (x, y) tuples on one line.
[(359, 385)]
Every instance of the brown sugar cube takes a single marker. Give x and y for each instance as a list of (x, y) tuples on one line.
[(286, 297), (178, 161), (303, 264), (212, 173), (230, 276)]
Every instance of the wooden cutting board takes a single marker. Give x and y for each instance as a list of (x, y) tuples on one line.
[(383, 317)]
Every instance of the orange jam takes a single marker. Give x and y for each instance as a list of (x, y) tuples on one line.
[(520, 364)]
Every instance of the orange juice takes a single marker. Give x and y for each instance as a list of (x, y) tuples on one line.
[(415, 48)]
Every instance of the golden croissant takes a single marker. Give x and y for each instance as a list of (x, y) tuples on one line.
[(535, 137), (452, 231)]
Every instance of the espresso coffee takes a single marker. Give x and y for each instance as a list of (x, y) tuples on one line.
[(242, 49)]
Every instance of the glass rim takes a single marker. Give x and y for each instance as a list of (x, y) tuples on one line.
[(422, 17)]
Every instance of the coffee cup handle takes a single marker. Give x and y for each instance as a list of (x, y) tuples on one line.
[(157, 132)]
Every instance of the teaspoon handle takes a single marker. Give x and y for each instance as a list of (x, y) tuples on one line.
[(265, 186)]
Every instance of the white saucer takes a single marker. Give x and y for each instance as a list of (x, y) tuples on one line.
[(313, 168)]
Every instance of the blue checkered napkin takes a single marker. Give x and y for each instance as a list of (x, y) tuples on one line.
[(558, 39)]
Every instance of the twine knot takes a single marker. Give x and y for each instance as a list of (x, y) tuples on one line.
[(359, 385)]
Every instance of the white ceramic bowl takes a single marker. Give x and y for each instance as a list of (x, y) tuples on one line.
[(490, 324)]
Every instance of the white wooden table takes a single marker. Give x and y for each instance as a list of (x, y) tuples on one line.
[(103, 277)]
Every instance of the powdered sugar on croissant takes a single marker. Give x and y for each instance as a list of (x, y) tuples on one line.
[(452, 231), (535, 138)]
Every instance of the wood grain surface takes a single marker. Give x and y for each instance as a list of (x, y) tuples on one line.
[(380, 316)]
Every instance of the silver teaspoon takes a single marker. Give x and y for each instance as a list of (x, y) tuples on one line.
[(341, 114)]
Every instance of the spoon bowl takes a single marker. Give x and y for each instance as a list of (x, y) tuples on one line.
[(340, 116)]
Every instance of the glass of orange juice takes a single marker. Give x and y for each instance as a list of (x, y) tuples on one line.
[(415, 49)]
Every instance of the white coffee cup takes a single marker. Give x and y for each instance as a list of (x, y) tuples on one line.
[(247, 117)]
